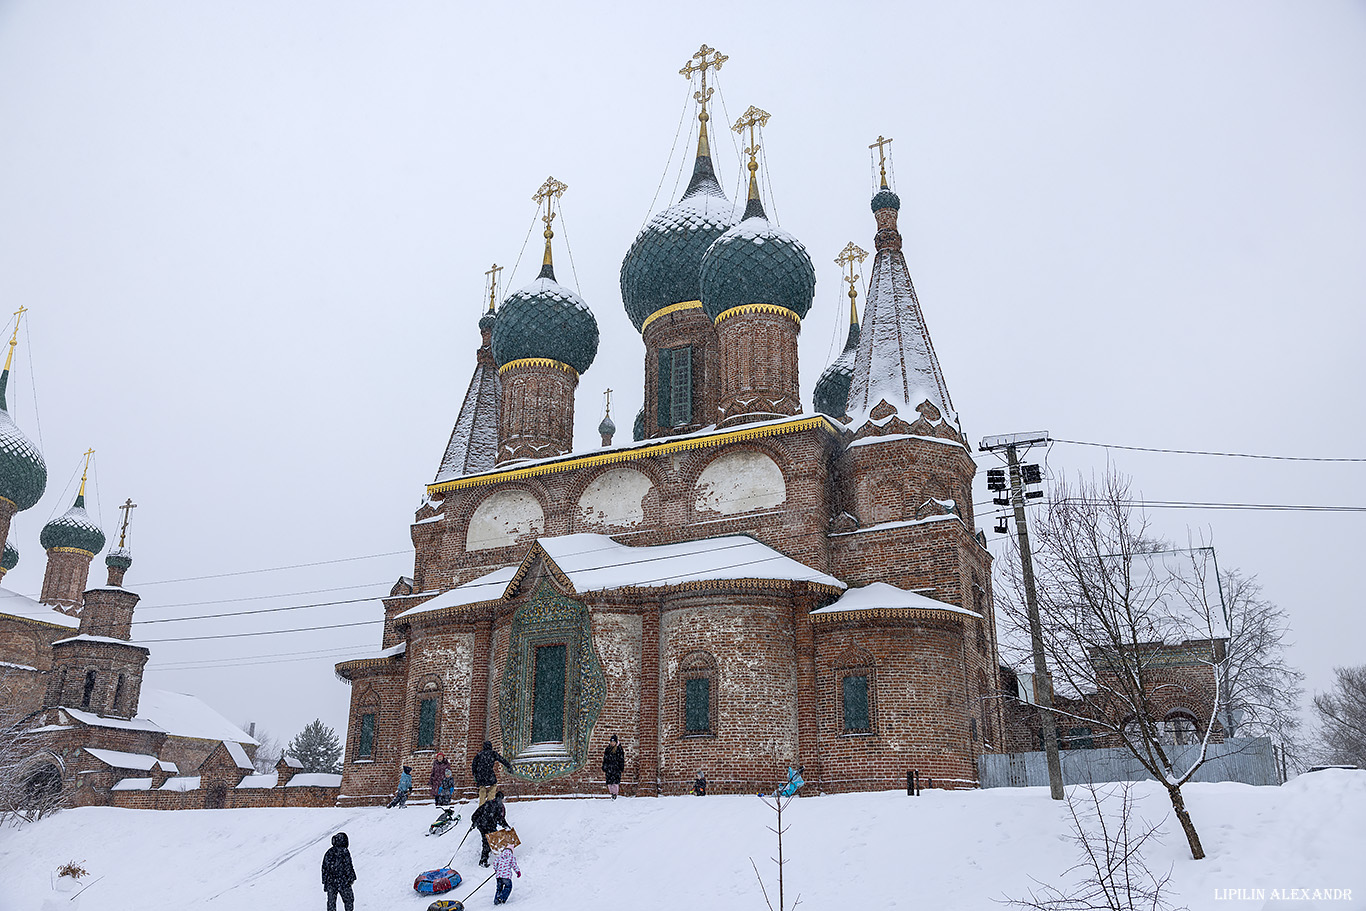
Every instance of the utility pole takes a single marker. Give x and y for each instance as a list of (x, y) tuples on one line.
[(1043, 683)]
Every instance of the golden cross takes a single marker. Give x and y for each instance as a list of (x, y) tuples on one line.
[(551, 190), (85, 471), (493, 283), (608, 393), (14, 339), (127, 505), (882, 155), (751, 119), (849, 256), (704, 62)]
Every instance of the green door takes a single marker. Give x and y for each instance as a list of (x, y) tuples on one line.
[(547, 713)]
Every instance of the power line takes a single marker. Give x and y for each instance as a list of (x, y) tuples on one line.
[(275, 569), (1236, 455), (311, 591), (263, 610), (264, 632)]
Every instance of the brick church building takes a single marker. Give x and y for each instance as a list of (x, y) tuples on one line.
[(745, 585)]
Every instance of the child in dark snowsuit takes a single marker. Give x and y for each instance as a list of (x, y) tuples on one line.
[(505, 864), (338, 874), (699, 785), (405, 784)]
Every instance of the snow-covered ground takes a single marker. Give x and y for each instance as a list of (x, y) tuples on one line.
[(946, 851)]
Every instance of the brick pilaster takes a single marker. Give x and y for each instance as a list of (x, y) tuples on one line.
[(647, 766)]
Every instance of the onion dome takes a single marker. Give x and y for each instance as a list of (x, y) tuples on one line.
[(10, 558), (885, 199), (23, 473), (756, 262), (73, 530), (119, 558), (546, 320), (488, 321), (832, 389), (607, 427), (638, 430), (665, 261)]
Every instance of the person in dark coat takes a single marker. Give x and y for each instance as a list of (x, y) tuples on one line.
[(613, 764), (486, 818), (338, 874), (440, 768), (699, 785), (485, 776)]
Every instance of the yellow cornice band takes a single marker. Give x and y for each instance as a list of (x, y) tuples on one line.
[(643, 452), (758, 308), (665, 311), (539, 362), (9, 501), (72, 550)]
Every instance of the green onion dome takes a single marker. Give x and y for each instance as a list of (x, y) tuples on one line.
[(488, 321), (756, 262), (608, 426), (119, 558), (638, 429), (832, 389), (546, 320), (23, 473), (665, 261), (10, 558), (73, 530), (886, 199)]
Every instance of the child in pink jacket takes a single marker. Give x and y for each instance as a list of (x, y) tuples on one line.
[(505, 864)]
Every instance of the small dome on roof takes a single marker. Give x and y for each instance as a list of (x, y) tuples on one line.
[(608, 426), (73, 530), (756, 262), (119, 558), (10, 558), (886, 199), (832, 389), (546, 320), (487, 321), (638, 429)]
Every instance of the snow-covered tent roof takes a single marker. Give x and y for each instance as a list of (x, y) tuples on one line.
[(881, 596), (22, 607), (120, 760), (593, 563), (473, 446), (260, 781), (314, 780), (896, 362), (187, 716), (239, 755)]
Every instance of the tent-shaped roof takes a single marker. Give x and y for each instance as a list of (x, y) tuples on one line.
[(881, 596)]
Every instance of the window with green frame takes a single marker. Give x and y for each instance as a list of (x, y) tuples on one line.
[(547, 706), (854, 696), (366, 747), (697, 705), (675, 387), (426, 723)]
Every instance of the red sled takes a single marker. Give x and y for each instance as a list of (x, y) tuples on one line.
[(436, 882)]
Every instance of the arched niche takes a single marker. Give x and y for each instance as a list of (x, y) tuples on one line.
[(739, 481), (503, 518), (614, 499)]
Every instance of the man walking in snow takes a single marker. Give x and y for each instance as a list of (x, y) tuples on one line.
[(485, 774), (339, 874), (486, 818)]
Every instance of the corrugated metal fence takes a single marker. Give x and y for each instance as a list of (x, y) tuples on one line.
[(1250, 760)]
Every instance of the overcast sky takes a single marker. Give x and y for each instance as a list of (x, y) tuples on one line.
[(252, 238)]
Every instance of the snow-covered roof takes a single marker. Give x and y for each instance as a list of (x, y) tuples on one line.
[(485, 588), (188, 716), (186, 783), (893, 437), (23, 607), (473, 446), (597, 563), (880, 595), (239, 755), (132, 784), (896, 360), (121, 760), (290, 761), (83, 637), (906, 523), (314, 780), (90, 718), (17, 667), (260, 781)]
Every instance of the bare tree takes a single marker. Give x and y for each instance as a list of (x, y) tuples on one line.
[(268, 753), (1111, 838), (29, 787), (777, 802), (1342, 717), (1115, 612), (1262, 691)]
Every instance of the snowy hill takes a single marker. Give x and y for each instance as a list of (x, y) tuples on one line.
[(943, 850)]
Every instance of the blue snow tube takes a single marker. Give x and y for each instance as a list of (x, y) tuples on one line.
[(436, 882)]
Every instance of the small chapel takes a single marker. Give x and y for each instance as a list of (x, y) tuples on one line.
[(747, 584)]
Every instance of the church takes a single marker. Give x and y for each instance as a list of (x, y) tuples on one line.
[(746, 584)]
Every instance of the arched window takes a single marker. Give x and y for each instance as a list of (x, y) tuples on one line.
[(698, 706), (1179, 727), (89, 688), (428, 728), (856, 692), (118, 694)]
